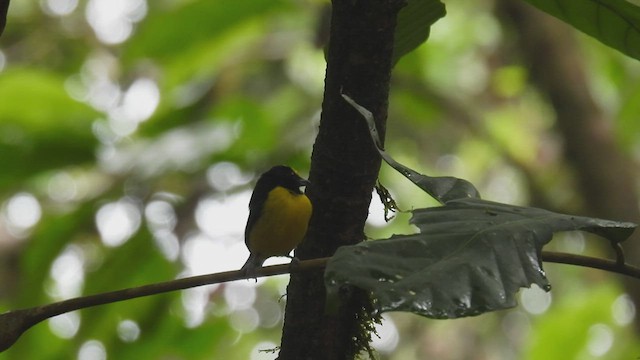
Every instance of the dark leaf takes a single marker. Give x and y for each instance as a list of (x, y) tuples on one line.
[(470, 257), (414, 24)]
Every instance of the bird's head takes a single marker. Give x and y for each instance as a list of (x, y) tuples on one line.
[(284, 176)]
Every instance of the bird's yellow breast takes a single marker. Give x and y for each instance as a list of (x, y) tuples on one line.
[(282, 223)]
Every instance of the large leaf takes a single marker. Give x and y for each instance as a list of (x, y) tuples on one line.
[(471, 256), (414, 25), (615, 23)]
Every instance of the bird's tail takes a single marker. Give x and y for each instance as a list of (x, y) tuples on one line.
[(252, 264)]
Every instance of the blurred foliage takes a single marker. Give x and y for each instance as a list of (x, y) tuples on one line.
[(127, 156), (613, 22), (414, 24)]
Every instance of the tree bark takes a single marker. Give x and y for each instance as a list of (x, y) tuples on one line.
[(344, 168)]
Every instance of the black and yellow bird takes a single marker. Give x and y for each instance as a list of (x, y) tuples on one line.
[(278, 216)]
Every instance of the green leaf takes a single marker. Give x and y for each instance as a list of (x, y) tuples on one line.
[(41, 126), (470, 257), (192, 40), (36, 101), (193, 24), (414, 24), (615, 23)]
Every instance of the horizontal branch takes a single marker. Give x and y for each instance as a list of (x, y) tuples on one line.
[(592, 262), (14, 323)]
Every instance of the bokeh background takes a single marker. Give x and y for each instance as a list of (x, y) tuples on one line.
[(132, 131)]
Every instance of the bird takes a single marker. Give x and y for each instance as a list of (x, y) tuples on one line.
[(279, 214)]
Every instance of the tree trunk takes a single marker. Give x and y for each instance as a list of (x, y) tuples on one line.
[(344, 168)]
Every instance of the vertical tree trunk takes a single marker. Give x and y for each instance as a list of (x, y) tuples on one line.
[(344, 168)]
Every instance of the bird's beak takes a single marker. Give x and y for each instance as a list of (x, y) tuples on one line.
[(303, 182)]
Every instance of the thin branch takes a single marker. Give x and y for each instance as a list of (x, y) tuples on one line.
[(14, 323), (592, 262)]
